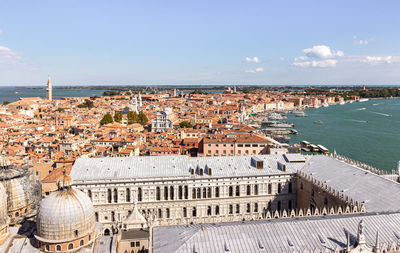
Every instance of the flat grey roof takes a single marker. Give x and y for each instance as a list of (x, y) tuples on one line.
[(276, 236), (294, 158), (379, 193), (175, 166), (132, 234)]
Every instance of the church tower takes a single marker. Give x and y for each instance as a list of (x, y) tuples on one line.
[(49, 90)]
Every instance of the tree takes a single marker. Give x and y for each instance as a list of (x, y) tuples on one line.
[(246, 96), (185, 124), (5, 102), (133, 117), (117, 117), (88, 103), (106, 119), (142, 118), (59, 109)]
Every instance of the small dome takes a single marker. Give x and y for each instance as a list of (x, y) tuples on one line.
[(4, 162), (17, 189), (65, 215), (3, 207)]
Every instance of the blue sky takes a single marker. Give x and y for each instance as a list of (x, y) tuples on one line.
[(200, 42)]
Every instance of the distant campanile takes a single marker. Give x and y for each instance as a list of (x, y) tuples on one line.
[(49, 94)]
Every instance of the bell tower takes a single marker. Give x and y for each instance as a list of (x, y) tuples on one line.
[(49, 90)]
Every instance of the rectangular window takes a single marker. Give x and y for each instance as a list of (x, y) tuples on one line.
[(240, 145), (247, 145), (137, 244), (254, 145), (132, 244)]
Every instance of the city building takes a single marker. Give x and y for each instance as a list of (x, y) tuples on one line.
[(161, 123)]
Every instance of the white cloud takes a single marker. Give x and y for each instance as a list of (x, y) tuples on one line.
[(257, 70), (319, 56), (374, 60), (7, 56), (1, 31), (254, 59), (282, 58), (322, 52), (316, 64)]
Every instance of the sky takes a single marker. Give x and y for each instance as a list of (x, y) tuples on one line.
[(199, 42)]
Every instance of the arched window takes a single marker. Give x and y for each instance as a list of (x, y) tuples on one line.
[(171, 192), (184, 212), (159, 213), (230, 191), (248, 207), (180, 192), (217, 192), (48, 247), (256, 189), (139, 194), (198, 193), (81, 243), (269, 189), (106, 232), (204, 193), (70, 246), (230, 209), (209, 192), (209, 210), (90, 194), (58, 247), (279, 187), (237, 208), (194, 193), (248, 191), (238, 190), (186, 192), (128, 195), (109, 196), (158, 193), (112, 216), (255, 207), (312, 192), (301, 186), (115, 195), (165, 192), (16, 214), (96, 215), (217, 210), (194, 212), (76, 233), (168, 214)]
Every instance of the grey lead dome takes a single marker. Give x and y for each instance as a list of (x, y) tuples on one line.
[(65, 215), (3, 207)]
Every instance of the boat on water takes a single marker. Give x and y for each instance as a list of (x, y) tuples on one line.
[(301, 114), (325, 105), (363, 100), (363, 108), (342, 103), (318, 122), (322, 149), (317, 106)]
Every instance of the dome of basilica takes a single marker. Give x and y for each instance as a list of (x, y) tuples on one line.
[(4, 220), (3, 207), (65, 215)]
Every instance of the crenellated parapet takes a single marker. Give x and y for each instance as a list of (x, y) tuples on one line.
[(339, 194)]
